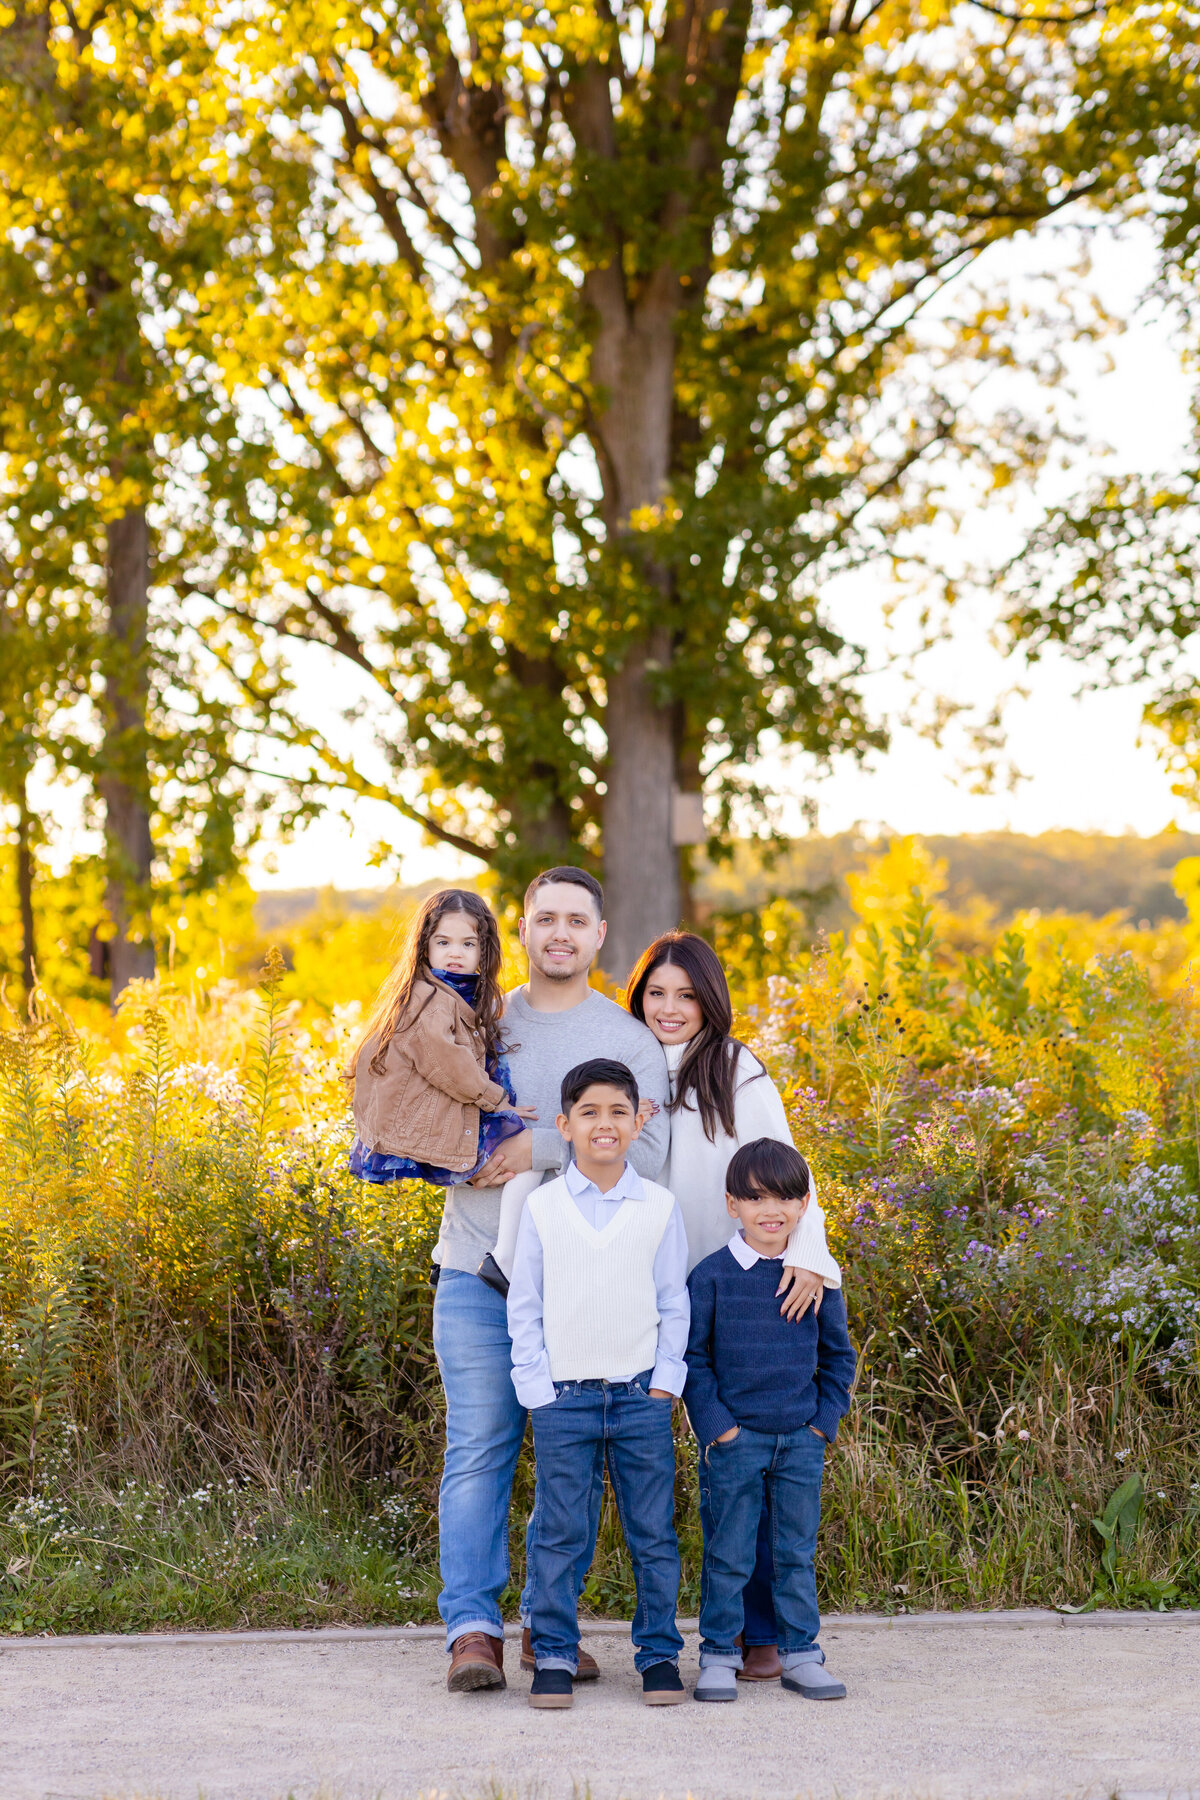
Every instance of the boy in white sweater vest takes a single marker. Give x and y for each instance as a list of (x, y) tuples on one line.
[(598, 1315)]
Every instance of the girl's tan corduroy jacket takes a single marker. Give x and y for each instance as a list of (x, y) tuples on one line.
[(426, 1104)]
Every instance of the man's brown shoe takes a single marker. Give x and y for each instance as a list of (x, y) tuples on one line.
[(760, 1662), (476, 1661), (588, 1669)]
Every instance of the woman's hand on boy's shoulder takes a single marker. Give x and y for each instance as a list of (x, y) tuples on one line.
[(801, 1289)]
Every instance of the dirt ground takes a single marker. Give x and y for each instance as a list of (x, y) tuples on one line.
[(970, 1713)]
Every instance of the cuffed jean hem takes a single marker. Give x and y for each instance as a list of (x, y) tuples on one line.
[(650, 1659), (489, 1627), (556, 1662), (720, 1659)]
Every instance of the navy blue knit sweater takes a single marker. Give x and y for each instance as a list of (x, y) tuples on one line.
[(748, 1365)]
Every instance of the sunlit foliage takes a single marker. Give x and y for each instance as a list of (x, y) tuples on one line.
[(217, 1394)]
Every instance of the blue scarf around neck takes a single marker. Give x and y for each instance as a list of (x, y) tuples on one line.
[(465, 986)]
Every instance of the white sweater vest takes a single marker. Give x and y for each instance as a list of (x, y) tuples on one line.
[(599, 1301)]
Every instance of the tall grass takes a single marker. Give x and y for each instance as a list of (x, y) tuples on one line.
[(218, 1402), (213, 1341)]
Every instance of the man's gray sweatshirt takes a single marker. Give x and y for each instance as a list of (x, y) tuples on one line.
[(544, 1046)]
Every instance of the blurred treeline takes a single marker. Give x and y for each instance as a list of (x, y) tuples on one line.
[(1056, 872), (763, 907)]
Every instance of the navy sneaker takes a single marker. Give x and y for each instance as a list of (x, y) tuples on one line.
[(661, 1685), (552, 1687)]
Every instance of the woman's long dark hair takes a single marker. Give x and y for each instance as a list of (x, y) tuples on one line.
[(707, 1075), (413, 965)]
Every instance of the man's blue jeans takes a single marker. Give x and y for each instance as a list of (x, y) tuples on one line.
[(485, 1424), (757, 1603), (589, 1423), (792, 1464)]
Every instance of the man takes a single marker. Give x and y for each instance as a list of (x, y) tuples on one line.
[(552, 1023)]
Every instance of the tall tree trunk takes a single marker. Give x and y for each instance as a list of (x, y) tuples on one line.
[(539, 816), (641, 867), (25, 887), (689, 745), (544, 837), (633, 365), (124, 782)]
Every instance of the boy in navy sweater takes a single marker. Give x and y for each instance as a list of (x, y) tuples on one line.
[(764, 1395)]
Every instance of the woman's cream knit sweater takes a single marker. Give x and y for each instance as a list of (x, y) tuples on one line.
[(695, 1171)]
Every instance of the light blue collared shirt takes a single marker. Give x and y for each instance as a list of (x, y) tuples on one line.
[(531, 1365)]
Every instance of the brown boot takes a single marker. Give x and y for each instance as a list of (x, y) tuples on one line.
[(760, 1662), (476, 1661), (588, 1669)]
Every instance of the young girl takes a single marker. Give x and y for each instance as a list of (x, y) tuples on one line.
[(433, 1096), (722, 1098)]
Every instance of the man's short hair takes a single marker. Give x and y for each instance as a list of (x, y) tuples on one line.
[(767, 1169), (576, 877), (601, 1071)]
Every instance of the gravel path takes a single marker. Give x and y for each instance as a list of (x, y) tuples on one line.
[(972, 1713)]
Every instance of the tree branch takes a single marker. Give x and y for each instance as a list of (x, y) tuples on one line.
[(374, 790), (298, 415), (385, 200), (1023, 215), (843, 522), (1019, 18), (311, 740), (345, 643)]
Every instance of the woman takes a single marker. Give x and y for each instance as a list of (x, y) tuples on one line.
[(722, 1098)]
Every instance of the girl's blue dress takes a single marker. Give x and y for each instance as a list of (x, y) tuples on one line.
[(494, 1127)]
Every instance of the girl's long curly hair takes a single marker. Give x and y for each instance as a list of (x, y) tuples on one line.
[(412, 965), (709, 1067)]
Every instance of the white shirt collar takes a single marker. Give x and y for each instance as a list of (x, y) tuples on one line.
[(628, 1187), (748, 1257)]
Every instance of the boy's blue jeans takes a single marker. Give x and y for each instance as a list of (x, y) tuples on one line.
[(485, 1423), (792, 1464), (757, 1603), (589, 1423)]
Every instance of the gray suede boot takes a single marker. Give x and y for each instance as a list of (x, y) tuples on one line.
[(718, 1681), (804, 1672)]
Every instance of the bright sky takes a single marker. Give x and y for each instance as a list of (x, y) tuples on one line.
[(1087, 769)]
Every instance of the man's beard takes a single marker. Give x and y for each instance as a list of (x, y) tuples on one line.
[(557, 972)]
